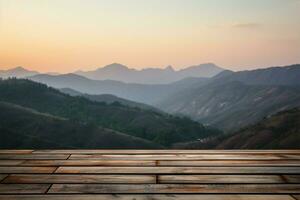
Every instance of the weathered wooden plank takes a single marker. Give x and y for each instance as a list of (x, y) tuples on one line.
[(37, 170), (23, 188), (146, 197), (229, 163), (10, 162), (290, 156), (220, 179), (89, 163), (296, 197), (175, 157), (51, 178), (176, 188), (291, 178), (14, 151), (126, 151), (33, 156), (2, 176), (180, 170)]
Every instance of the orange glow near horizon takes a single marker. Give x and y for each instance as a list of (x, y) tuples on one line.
[(68, 35)]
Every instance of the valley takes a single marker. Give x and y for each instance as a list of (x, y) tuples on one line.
[(194, 112)]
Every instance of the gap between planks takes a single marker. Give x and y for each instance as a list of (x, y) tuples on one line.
[(296, 197), (146, 197)]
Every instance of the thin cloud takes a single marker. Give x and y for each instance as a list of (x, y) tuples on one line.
[(247, 25)]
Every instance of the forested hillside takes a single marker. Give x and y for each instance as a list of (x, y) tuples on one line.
[(280, 131), (151, 125), (26, 128)]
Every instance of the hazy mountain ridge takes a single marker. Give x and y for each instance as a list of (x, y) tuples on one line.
[(285, 75), (229, 101), (151, 125), (108, 98), (121, 73), (26, 128), (167, 75), (280, 131), (144, 93), (18, 72)]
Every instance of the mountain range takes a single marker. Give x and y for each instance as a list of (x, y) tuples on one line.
[(18, 72), (228, 101), (279, 131), (122, 73), (232, 100), (108, 98), (156, 127), (143, 93), (232, 105), (287, 75), (162, 114), (21, 127)]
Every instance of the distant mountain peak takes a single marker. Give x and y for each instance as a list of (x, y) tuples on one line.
[(18, 72), (205, 65), (115, 66), (19, 68), (168, 74), (169, 68)]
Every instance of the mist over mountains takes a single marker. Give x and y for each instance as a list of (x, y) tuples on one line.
[(122, 73), (150, 125), (228, 101), (143, 93), (279, 131), (287, 75), (18, 72), (232, 100)]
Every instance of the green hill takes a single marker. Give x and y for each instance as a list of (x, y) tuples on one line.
[(280, 131), (150, 125), (26, 128), (107, 98), (232, 105)]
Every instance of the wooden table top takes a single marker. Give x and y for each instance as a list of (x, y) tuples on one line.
[(150, 174)]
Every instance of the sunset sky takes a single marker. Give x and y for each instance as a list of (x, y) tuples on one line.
[(67, 35)]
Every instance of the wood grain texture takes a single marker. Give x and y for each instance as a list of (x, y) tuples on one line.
[(176, 157), (36, 170), (33, 156), (291, 178), (88, 163), (242, 179), (180, 170), (296, 197), (12, 151), (2, 176), (150, 174), (176, 188), (10, 162), (229, 163), (165, 151), (290, 156), (146, 197), (23, 188), (52, 178)]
